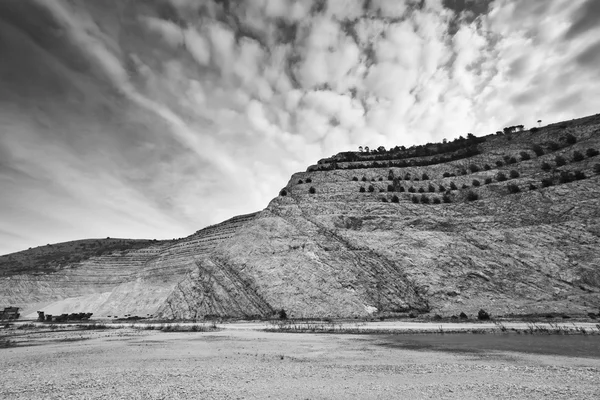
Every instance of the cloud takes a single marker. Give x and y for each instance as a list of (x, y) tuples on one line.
[(156, 119)]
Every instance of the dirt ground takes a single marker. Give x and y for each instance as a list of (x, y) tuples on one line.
[(252, 364)]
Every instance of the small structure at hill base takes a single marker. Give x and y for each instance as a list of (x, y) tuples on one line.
[(64, 317), (10, 313)]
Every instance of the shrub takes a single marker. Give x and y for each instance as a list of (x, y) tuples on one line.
[(463, 171), (411, 189), (381, 190), (560, 161), (312, 190), (546, 166), (441, 189), (473, 168), (355, 179), (407, 177), (446, 198), (431, 188), (547, 182), (506, 159), (300, 182), (514, 174), (488, 181), (537, 149), (571, 139), (283, 192), (500, 177), (487, 167), (592, 152), (463, 316), (553, 146), (565, 177), (383, 199), (534, 129), (453, 186), (597, 168), (415, 179), (525, 156), (421, 190), (424, 177), (483, 315), (380, 179), (372, 179), (282, 314), (371, 189), (364, 179), (401, 189), (512, 188), (308, 180), (446, 175), (395, 199), (512, 160), (464, 186), (476, 183), (532, 186), (436, 200), (577, 156), (390, 188), (424, 199), (362, 189), (472, 196), (414, 199), (499, 163), (579, 175)]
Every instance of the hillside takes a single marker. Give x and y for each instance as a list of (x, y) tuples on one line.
[(508, 222)]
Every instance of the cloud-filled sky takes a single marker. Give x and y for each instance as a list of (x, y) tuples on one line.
[(155, 118)]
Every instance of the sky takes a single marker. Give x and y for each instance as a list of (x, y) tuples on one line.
[(155, 118)]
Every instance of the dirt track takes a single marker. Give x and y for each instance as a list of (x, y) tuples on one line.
[(234, 364)]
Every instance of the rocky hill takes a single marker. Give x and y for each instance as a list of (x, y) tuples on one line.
[(508, 222)]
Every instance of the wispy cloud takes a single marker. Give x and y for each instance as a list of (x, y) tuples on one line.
[(152, 119)]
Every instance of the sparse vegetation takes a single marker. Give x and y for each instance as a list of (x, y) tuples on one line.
[(472, 196), (512, 188), (592, 152), (546, 182), (538, 150)]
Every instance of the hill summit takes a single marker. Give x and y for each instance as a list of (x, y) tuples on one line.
[(508, 222)]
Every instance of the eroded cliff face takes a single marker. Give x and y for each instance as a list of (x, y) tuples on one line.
[(527, 244)]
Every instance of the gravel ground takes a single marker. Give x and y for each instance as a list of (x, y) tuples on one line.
[(247, 364)]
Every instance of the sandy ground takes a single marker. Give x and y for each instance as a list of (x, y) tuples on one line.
[(252, 364)]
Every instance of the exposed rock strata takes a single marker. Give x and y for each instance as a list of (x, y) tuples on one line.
[(343, 253)]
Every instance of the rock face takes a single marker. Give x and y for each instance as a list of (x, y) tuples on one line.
[(529, 243)]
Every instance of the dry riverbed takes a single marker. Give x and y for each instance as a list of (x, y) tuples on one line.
[(241, 361)]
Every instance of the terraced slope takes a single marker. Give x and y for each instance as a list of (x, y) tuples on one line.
[(508, 222)]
